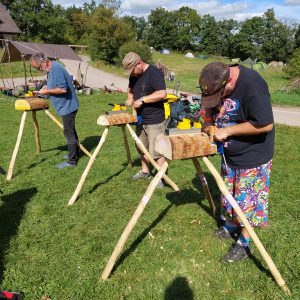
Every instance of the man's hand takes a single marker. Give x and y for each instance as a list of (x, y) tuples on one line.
[(221, 134), (138, 103), (129, 102)]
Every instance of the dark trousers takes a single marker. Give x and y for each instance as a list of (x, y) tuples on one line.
[(71, 136)]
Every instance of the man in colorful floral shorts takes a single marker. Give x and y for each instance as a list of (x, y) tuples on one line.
[(237, 100)]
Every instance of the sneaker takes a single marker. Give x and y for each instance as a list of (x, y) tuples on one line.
[(160, 185), (237, 252), (66, 156), (140, 175), (221, 233), (65, 165)]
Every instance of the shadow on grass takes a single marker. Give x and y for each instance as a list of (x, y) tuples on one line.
[(187, 196), (91, 142), (95, 187), (140, 238), (11, 212), (179, 289)]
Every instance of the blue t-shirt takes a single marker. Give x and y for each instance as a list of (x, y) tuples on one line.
[(58, 77)]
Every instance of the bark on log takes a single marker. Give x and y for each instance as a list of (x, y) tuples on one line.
[(117, 119), (31, 104), (184, 146)]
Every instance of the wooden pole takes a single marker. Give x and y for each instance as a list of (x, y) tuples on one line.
[(37, 133), (51, 116), (126, 146), (273, 269), (88, 167), (15, 153), (151, 160), (204, 185), (9, 62), (138, 212)]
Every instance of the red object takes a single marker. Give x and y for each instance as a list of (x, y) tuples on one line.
[(10, 295)]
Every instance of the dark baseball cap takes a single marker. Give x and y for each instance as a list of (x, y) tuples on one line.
[(130, 61), (212, 80)]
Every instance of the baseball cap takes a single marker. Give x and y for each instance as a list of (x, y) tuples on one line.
[(212, 80), (130, 60)]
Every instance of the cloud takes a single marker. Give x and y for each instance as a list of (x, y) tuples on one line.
[(292, 2), (233, 10)]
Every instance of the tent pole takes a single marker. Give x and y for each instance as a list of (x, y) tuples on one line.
[(11, 74), (2, 78), (25, 73)]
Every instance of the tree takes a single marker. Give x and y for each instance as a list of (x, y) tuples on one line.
[(139, 25), (293, 66), (227, 30), (297, 37), (187, 24), (40, 20), (209, 35), (162, 32), (107, 33), (248, 41), (277, 38)]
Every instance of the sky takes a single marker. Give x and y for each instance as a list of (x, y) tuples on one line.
[(285, 10)]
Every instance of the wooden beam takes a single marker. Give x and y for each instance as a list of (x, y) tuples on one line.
[(138, 212), (31, 104), (17, 146), (184, 146), (116, 119)]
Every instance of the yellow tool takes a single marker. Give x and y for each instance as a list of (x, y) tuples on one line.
[(184, 124)]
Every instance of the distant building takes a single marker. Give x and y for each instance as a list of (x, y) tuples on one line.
[(7, 25)]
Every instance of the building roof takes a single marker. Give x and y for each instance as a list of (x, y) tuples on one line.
[(17, 51), (7, 24)]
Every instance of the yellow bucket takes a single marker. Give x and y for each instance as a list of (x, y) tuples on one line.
[(184, 124), (197, 125)]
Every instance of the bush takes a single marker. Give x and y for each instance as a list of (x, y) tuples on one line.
[(133, 46), (293, 66)]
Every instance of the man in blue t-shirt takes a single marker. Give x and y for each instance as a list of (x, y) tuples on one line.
[(61, 91), (237, 100)]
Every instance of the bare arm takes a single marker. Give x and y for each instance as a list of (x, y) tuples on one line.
[(55, 91), (129, 100), (154, 97), (245, 128)]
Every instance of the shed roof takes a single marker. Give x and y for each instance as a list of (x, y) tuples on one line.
[(7, 24), (24, 50)]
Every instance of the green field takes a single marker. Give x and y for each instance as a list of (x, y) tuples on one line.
[(187, 73), (50, 249)]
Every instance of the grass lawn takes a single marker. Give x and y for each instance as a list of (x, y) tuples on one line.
[(50, 249), (187, 73)]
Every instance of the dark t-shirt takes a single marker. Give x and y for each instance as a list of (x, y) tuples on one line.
[(150, 81), (249, 101)]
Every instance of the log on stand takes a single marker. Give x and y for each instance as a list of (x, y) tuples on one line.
[(184, 146)]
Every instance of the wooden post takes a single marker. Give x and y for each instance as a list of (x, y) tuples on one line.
[(37, 133), (51, 116), (151, 160), (273, 269), (88, 167), (15, 153), (138, 212), (9, 62), (204, 185), (126, 146)]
